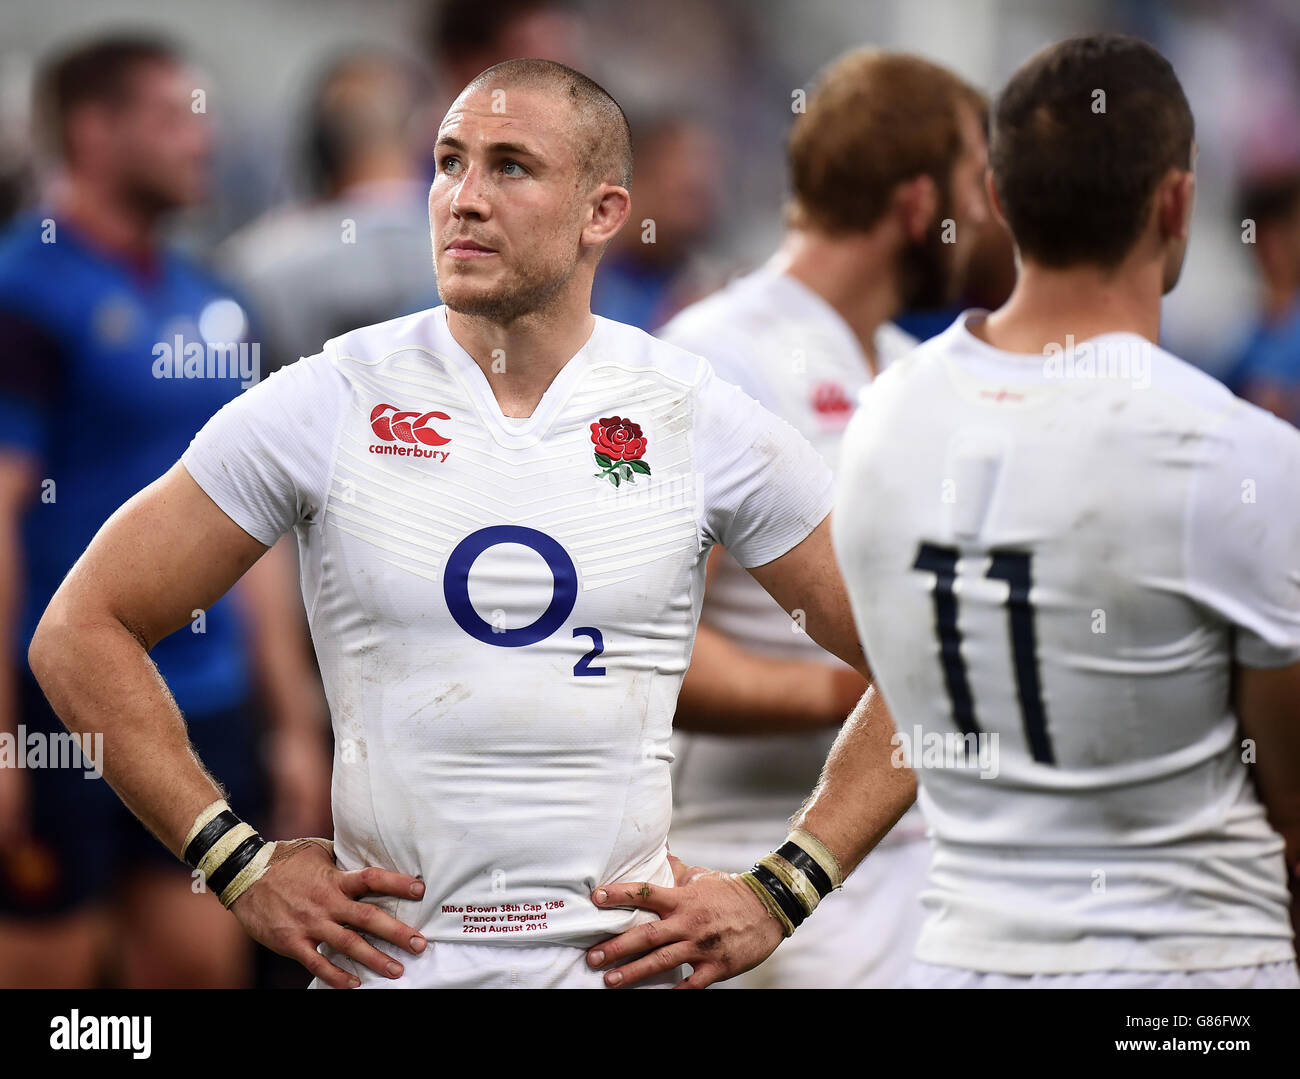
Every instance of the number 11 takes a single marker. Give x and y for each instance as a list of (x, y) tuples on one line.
[(1014, 567)]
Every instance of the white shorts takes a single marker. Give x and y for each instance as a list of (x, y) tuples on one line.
[(485, 966), (860, 937), (1265, 976)]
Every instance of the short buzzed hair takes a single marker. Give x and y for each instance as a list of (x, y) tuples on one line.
[(604, 139), (1082, 135), (876, 119)]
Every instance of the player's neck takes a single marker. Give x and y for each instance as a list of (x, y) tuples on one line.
[(851, 274), (521, 358), (1048, 304), (110, 222)]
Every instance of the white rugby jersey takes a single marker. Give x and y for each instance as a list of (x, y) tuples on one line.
[(1078, 547), (503, 609), (787, 347)]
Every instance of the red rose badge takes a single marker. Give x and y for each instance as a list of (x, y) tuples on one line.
[(619, 449)]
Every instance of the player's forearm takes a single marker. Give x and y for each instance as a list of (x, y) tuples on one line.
[(729, 690), (862, 791), (100, 681)]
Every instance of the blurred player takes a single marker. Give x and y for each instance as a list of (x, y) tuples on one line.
[(646, 276), (873, 188), (92, 407), (359, 254), (1269, 371), (504, 508), (466, 37), (1086, 578)]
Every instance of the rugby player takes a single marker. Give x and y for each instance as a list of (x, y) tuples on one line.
[(504, 508), (886, 163), (98, 316)]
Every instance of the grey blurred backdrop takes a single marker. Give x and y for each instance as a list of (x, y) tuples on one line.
[(731, 67)]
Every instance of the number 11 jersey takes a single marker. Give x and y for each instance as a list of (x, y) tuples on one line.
[(1054, 562)]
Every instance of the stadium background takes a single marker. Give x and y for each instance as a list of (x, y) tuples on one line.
[(709, 86)]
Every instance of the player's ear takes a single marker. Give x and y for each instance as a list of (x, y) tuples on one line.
[(87, 130), (1175, 198), (992, 191), (916, 202), (610, 209)]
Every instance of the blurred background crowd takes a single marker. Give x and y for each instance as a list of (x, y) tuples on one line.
[(294, 186)]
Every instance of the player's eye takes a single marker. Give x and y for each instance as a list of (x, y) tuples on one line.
[(449, 163), (520, 170)]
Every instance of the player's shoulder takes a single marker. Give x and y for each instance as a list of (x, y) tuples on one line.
[(29, 251), (892, 343), (910, 365), (736, 315), (746, 327), (23, 234), (618, 345), (712, 397), (1186, 397), (420, 331), (1176, 377), (712, 314)]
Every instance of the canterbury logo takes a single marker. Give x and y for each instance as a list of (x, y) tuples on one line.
[(393, 425), (830, 399), (409, 427)]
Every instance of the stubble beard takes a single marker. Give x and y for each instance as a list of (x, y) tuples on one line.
[(929, 268), (515, 300)]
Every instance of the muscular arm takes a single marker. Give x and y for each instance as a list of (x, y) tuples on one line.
[(166, 553), (807, 579), (731, 690), (860, 795)]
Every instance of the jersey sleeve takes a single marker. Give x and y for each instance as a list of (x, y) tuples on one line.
[(729, 363), (1243, 537), (764, 487), (265, 458)]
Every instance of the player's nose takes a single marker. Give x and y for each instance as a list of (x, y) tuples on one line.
[(468, 198)]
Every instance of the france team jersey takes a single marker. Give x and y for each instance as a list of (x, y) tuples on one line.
[(93, 384)]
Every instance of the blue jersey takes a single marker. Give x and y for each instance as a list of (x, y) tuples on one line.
[(1271, 365), (108, 369)]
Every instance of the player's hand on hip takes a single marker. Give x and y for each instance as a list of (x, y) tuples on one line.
[(304, 900), (711, 921)]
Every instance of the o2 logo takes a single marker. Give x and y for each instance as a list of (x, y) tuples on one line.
[(564, 593)]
